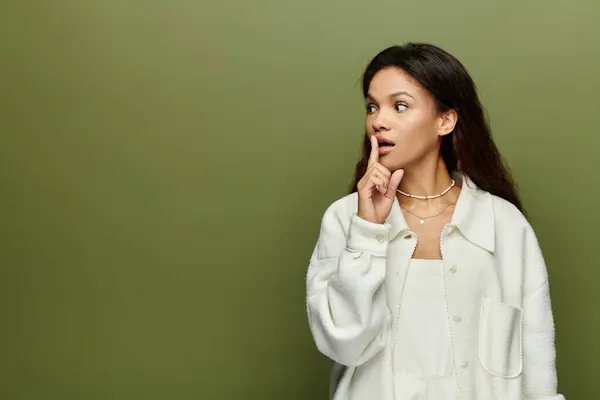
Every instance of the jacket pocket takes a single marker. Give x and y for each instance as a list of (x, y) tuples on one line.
[(500, 338)]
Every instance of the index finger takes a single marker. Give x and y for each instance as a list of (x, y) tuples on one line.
[(374, 157)]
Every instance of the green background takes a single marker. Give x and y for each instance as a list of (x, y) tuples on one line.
[(165, 165)]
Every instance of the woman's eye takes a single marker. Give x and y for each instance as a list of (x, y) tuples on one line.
[(370, 109), (400, 107)]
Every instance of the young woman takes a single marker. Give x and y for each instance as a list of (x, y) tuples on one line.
[(427, 282)]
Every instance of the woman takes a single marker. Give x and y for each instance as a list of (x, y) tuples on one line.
[(427, 282)]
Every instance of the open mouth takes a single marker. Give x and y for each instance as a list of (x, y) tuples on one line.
[(385, 143)]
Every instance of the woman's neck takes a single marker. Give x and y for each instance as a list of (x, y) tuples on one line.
[(426, 181)]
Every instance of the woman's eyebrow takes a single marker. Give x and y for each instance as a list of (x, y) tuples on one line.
[(395, 94), (402, 92)]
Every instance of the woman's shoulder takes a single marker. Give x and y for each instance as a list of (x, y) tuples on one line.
[(342, 208), (509, 220), (507, 212)]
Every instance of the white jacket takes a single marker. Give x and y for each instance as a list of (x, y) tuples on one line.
[(497, 299)]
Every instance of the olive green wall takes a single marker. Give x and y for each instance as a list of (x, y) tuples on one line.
[(165, 164)]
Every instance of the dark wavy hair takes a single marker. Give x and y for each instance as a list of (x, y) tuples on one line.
[(470, 148)]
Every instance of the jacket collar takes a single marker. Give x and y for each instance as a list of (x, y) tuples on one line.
[(473, 215)]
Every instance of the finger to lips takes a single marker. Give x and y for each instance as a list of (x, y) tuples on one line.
[(374, 156)]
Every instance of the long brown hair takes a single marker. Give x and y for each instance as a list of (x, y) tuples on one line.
[(470, 148)]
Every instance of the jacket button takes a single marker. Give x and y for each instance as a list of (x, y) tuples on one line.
[(379, 238), (464, 363), (457, 318), (453, 269)]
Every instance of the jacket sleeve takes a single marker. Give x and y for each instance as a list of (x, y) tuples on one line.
[(539, 353), (346, 301)]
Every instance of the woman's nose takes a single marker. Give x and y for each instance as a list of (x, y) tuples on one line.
[(380, 123)]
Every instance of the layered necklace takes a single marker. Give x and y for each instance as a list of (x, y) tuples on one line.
[(435, 196)]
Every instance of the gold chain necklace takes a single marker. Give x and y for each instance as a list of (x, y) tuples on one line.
[(422, 219)]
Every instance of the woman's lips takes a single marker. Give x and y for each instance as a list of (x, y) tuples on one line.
[(385, 145), (383, 150)]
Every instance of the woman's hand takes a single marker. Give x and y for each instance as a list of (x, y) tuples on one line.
[(377, 188)]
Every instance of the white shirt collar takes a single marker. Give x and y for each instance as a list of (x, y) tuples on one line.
[(473, 215)]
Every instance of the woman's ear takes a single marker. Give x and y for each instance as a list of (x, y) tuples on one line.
[(448, 121)]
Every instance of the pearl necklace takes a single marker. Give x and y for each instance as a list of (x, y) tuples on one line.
[(435, 196)]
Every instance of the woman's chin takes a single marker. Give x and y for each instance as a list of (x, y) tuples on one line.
[(390, 163)]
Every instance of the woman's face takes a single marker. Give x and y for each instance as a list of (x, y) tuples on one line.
[(403, 117)]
